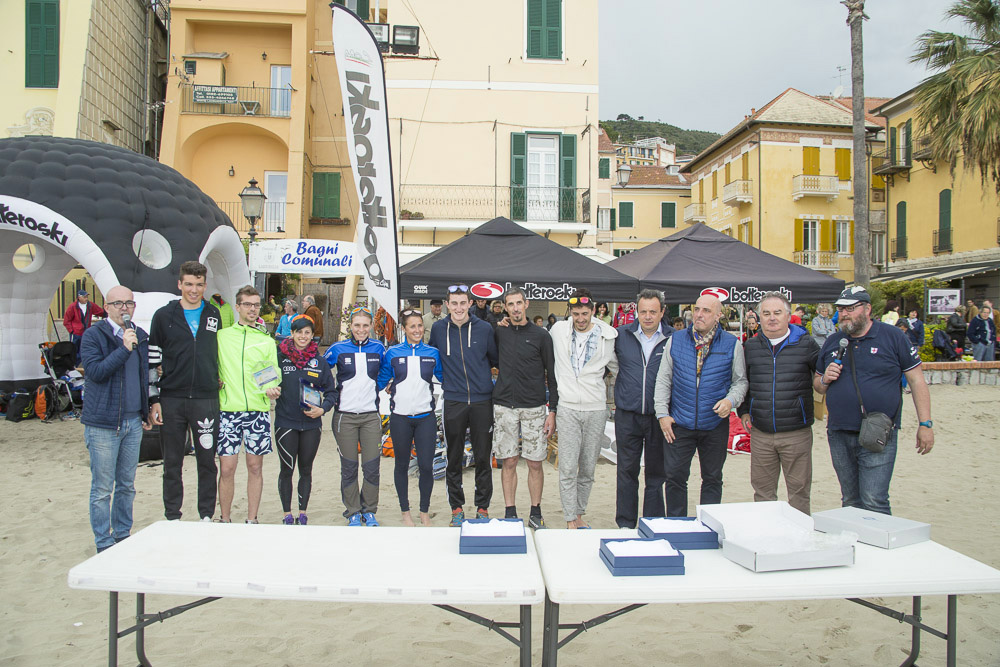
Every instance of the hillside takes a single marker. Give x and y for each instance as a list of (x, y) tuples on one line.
[(629, 129)]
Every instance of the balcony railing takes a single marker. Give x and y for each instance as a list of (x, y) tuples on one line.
[(694, 213), (272, 222), (236, 101), (484, 202), (898, 250), (805, 185), (941, 240), (821, 260), (738, 192), (891, 161), (922, 148)]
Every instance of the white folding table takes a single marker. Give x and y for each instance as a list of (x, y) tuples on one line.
[(332, 564), (574, 574)]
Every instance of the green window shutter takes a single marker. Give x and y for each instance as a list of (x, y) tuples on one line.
[(326, 195), (893, 159), (536, 28), (604, 168), (668, 214), (319, 195), (363, 10), (567, 178), (625, 214), (553, 29), (518, 176), (901, 220), (909, 141), (614, 225), (41, 64), (944, 209)]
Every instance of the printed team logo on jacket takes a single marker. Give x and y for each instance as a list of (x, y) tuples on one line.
[(212, 324), (205, 429), (486, 290), (313, 363)]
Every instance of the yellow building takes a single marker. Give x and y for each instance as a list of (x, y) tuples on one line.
[(501, 122), (651, 151), (781, 180), (647, 209), (941, 225)]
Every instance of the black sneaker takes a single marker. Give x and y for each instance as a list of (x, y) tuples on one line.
[(536, 521)]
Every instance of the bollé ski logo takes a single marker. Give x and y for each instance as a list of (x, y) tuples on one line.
[(486, 290), (719, 293)]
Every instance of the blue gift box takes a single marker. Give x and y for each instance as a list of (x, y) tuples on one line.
[(493, 544), (640, 566), (682, 541)]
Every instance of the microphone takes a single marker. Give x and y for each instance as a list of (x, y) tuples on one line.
[(127, 321), (839, 354)]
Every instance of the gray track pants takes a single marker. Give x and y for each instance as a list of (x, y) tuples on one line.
[(580, 436), (350, 429)]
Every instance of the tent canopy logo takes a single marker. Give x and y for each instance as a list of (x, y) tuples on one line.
[(719, 293), (486, 290)]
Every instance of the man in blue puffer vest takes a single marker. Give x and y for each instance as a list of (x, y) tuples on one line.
[(702, 376), (115, 356)]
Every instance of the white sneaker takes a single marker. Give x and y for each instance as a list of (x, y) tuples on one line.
[(206, 519)]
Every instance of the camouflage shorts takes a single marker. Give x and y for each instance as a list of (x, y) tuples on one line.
[(518, 431)]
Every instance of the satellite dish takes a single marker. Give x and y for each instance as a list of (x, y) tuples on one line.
[(838, 91)]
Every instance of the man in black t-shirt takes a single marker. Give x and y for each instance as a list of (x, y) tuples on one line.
[(880, 355)]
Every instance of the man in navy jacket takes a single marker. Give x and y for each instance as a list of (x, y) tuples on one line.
[(115, 357), (639, 348), (468, 353)]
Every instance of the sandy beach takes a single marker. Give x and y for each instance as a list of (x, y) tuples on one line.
[(44, 531)]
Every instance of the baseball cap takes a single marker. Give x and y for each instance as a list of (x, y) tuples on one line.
[(853, 295), (82, 292)]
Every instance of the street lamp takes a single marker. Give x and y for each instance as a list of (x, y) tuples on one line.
[(252, 200), (624, 174)]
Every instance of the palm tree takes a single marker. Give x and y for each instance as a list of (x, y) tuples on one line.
[(862, 239), (959, 105)]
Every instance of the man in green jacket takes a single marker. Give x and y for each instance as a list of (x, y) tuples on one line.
[(249, 376)]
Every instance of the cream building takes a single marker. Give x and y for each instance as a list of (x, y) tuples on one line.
[(781, 180), (647, 209), (941, 225), (651, 151)]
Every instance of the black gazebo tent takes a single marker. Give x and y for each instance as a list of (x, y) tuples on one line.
[(685, 263), (502, 254)]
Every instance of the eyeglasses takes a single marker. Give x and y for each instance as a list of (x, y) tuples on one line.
[(849, 309), (461, 289), (247, 304), (121, 304), (411, 311), (581, 299)]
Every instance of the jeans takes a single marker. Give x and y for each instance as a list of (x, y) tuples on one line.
[(114, 455), (864, 476), (638, 435), (982, 351)]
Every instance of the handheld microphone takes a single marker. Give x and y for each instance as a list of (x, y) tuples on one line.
[(127, 320), (839, 354)]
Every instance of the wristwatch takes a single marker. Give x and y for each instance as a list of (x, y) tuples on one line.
[(929, 423)]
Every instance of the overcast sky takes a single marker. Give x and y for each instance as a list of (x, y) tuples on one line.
[(702, 64)]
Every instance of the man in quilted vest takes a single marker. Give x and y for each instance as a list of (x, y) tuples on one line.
[(702, 377)]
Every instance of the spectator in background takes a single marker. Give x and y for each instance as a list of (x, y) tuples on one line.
[(751, 325), (982, 335), (284, 328), (78, 318), (916, 328), (552, 320), (603, 314), (822, 324), (970, 311), (496, 313), (481, 309), (798, 316), (539, 321), (432, 317), (891, 312), (678, 323), (314, 314), (956, 327)]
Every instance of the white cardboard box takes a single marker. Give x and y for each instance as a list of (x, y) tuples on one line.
[(766, 537), (880, 530)]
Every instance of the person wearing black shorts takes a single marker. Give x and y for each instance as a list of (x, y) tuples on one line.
[(297, 428)]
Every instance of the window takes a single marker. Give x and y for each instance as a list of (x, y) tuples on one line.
[(728, 180), (810, 160), (41, 62), (604, 168), (944, 209), (623, 251), (544, 29), (543, 177), (807, 235), (625, 214), (276, 190), (878, 248), (326, 195), (701, 191), (281, 90), (604, 219), (842, 158), (668, 214), (359, 7), (844, 241), (746, 233), (746, 166), (715, 184), (191, 67)]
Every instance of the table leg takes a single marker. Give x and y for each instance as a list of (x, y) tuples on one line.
[(113, 629), (550, 636), (914, 635), (525, 635), (140, 633), (952, 630)]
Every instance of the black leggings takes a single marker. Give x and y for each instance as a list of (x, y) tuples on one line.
[(419, 432), (302, 445)]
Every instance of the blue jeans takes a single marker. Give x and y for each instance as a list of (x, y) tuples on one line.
[(864, 476), (982, 351), (114, 456)]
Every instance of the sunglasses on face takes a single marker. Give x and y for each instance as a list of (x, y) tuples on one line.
[(460, 289), (585, 300), (121, 304)]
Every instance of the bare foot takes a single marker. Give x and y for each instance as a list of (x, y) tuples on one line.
[(408, 520), (580, 523), (425, 519), (570, 525)]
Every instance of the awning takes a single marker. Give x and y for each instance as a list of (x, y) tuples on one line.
[(953, 272)]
